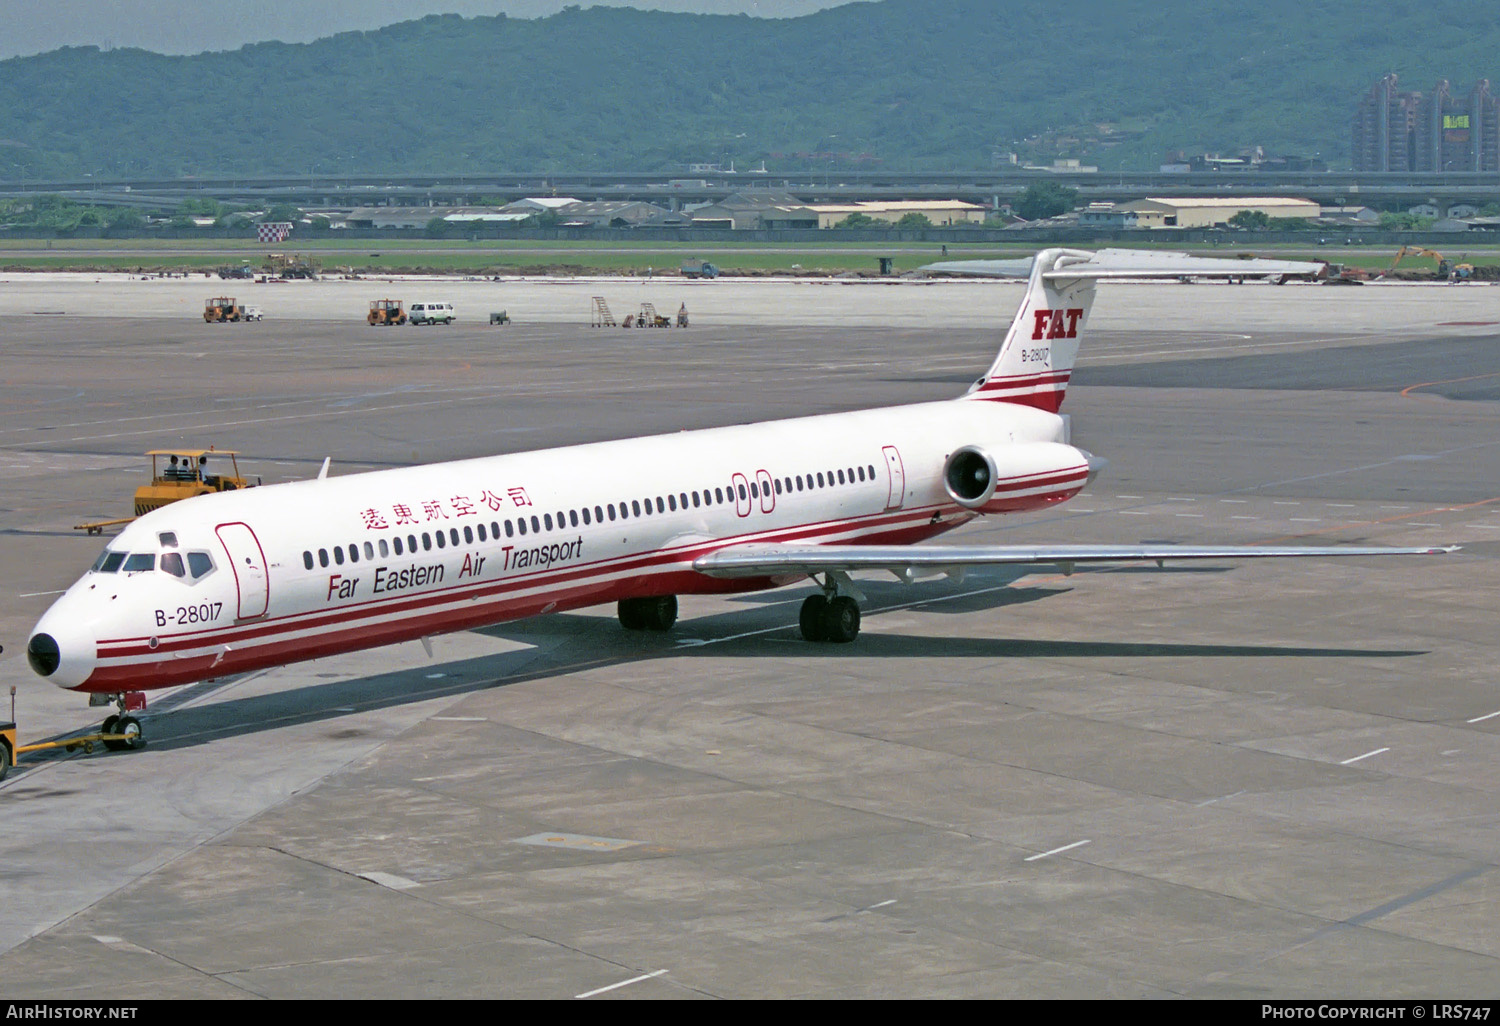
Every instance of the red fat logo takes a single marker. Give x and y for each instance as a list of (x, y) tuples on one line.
[(1056, 323)]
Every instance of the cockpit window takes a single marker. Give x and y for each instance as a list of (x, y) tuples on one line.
[(200, 564), (171, 562), (109, 562), (138, 561), (168, 539)]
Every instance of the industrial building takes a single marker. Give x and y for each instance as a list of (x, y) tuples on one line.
[(1435, 132), (1195, 212)]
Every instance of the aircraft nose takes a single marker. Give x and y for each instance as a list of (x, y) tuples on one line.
[(64, 654)]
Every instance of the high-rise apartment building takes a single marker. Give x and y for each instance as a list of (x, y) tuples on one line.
[(1436, 132)]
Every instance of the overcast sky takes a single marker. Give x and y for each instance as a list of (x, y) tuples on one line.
[(191, 26)]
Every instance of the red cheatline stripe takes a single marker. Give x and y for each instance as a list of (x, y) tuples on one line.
[(478, 590)]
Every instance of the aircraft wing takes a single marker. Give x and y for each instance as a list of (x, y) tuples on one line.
[(1134, 263), (903, 560)]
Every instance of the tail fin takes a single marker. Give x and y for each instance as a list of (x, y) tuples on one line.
[(1037, 357), (1036, 360)]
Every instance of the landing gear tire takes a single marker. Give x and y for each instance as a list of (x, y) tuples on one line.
[(814, 609), (657, 613), (133, 739), (109, 724), (841, 620)]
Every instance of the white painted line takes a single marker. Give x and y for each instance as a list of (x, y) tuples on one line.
[(1127, 496), (1055, 851), (1415, 524), (1198, 515), (1485, 527), (1134, 513), (622, 983), (1235, 502), (38, 594), (462, 719), (391, 880), (1278, 502), (1340, 505), (1304, 520), (1075, 509), (1486, 716), (1395, 507), (1377, 751), (1244, 518), (1175, 499), (882, 904)]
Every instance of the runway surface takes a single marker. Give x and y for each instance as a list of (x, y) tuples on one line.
[(1271, 779)]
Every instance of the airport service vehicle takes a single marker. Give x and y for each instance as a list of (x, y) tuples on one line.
[(696, 268), (386, 312), (241, 580), (431, 313), (254, 313), (178, 474), (222, 308)]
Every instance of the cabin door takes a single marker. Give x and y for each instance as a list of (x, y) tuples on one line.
[(248, 561), (897, 474)]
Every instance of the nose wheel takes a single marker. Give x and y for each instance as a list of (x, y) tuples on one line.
[(127, 731), (657, 613)]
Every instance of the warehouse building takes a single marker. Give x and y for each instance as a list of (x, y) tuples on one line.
[(1194, 212)]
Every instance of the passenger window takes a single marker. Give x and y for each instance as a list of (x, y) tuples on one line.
[(481, 533), (396, 541), (635, 507), (494, 530), (354, 553), (322, 557), (453, 536), (307, 560), (411, 544), (171, 562), (598, 515), (672, 503), (440, 538), (508, 531), (385, 549), (611, 509), (719, 496), (521, 524), (426, 542), (201, 564), (370, 550), (872, 471), (536, 525), (820, 479), (468, 535), (573, 516), (586, 520), (547, 519), (841, 477), (695, 500), (682, 497), (338, 555), (743, 494), (754, 490)]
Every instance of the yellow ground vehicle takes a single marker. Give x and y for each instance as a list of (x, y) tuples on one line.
[(178, 474), (1445, 268), (386, 311), (222, 308), (7, 747)]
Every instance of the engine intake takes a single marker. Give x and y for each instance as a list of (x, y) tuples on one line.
[(970, 476)]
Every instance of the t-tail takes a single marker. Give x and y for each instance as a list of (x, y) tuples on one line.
[(1036, 360)]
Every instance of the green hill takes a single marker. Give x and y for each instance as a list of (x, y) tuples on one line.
[(901, 85)]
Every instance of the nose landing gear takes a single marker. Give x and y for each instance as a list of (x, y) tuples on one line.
[(657, 613), (122, 732)]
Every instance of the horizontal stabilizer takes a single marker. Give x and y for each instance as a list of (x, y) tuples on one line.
[(779, 560)]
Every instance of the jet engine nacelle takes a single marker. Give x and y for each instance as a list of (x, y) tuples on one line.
[(1016, 478)]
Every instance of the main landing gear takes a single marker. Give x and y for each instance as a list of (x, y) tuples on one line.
[(657, 613), (833, 615)]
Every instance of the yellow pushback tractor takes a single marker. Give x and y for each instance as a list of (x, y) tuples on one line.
[(221, 309), (178, 474), (386, 312)]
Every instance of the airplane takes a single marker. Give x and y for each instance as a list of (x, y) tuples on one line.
[(237, 581)]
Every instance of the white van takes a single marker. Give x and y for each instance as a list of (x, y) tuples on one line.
[(431, 313)]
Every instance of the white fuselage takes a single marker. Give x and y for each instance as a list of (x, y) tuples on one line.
[(312, 568)]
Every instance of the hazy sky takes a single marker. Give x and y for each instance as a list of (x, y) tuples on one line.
[(190, 26)]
